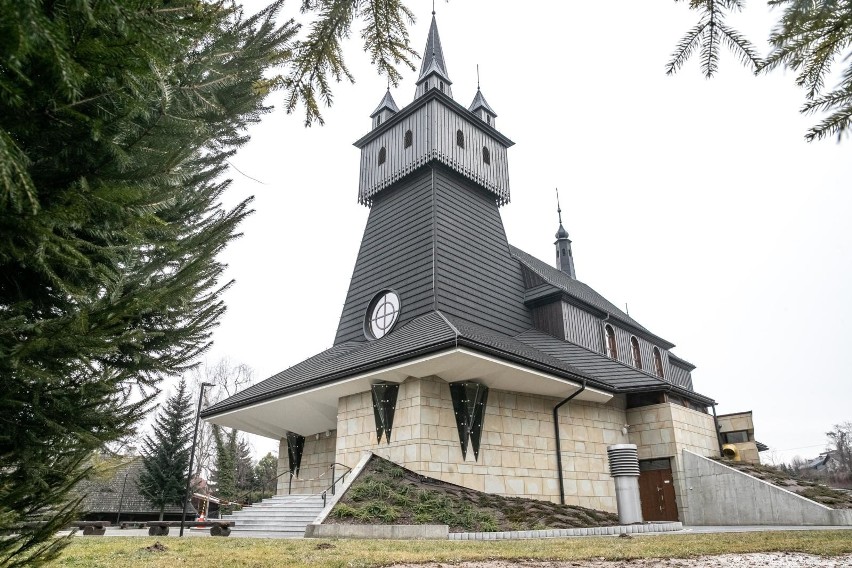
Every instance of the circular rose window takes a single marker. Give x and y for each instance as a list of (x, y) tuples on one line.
[(382, 314)]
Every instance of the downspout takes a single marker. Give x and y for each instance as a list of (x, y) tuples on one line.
[(718, 434), (558, 444)]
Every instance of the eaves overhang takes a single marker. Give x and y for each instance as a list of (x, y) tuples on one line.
[(309, 409), (416, 104)]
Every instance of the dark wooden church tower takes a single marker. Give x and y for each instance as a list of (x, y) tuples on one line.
[(434, 175)]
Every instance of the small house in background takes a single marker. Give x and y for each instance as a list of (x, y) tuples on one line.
[(114, 496), (736, 431)]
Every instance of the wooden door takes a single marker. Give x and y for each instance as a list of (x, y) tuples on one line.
[(656, 491)]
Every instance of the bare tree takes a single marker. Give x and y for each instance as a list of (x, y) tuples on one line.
[(227, 379), (841, 439)]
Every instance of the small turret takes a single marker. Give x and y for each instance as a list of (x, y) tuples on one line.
[(564, 256), (482, 109), (386, 109)]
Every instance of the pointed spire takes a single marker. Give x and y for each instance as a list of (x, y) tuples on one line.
[(433, 65), (564, 256), (480, 106), (386, 103)]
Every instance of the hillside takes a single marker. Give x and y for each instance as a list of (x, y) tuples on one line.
[(386, 493)]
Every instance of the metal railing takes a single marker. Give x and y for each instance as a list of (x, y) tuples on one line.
[(334, 481)]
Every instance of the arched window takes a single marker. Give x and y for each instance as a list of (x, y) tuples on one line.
[(486, 155), (383, 155), (637, 354), (442, 86), (658, 363), (406, 143), (611, 349), (459, 138)]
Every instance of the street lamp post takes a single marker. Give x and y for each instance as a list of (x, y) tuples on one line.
[(192, 456)]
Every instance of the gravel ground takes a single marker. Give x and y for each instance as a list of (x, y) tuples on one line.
[(758, 560)]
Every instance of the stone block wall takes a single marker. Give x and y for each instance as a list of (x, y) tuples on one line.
[(314, 473), (664, 431), (517, 453)]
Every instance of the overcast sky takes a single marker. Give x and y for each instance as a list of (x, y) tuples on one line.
[(695, 202)]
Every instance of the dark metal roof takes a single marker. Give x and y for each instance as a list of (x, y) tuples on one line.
[(386, 103), (582, 292), (682, 363), (480, 102), (433, 55), (425, 334), (102, 495), (437, 331), (619, 376)]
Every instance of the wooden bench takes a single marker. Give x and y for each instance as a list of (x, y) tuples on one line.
[(93, 528), (217, 528), (132, 524)]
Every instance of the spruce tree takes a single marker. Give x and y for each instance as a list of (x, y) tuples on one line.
[(117, 119), (165, 453), (224, 474)]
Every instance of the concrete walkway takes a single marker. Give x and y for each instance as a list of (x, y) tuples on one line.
[(194, 533)]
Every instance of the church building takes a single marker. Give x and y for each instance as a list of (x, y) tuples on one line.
[(464, 358)]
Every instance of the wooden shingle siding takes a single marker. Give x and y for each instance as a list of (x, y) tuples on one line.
[(550, 319), (396, 252), (583, 328), (477, 278)]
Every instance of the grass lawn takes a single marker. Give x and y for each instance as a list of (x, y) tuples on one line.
[(130, 552)]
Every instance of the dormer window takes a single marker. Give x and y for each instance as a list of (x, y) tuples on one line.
[(611, 349), (658, 363), (459, 138), (486, 155), (383, 155), (407, 139), (636, 352)]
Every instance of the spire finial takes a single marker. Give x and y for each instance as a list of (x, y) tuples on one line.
[(433, 7), (558, 208), (477, 76)]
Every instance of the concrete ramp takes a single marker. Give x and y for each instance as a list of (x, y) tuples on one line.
[(720, 495)]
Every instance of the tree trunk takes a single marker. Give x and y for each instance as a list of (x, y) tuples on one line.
[(162, 510)]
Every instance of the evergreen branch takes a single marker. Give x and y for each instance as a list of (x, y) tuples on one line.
[(740, 46), (685, 48)]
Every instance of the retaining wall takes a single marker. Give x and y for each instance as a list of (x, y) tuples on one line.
[(720, 495)]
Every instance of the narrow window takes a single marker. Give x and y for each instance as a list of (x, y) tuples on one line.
[(378, 120), (407, 140), (611, 349), (442, 86), (486, 155), (658, 363), (383, 154), (488, 118), (637, 354), (459, 138)]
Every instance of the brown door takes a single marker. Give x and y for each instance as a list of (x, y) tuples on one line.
[(656, 490)]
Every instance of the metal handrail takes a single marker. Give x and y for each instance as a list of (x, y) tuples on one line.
[(333, 480)]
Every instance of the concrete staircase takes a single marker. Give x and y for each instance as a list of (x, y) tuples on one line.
[(282, 516)]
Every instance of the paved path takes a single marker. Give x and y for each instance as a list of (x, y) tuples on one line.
[(173, 532)]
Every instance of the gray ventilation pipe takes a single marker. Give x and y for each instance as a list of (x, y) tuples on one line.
[(624, 468)]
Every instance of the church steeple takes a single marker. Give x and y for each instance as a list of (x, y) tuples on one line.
[(433, 70), (564, 256)]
